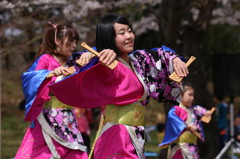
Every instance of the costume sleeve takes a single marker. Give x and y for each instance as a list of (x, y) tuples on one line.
[(154, 67), (199, 110), (99, 85), (35, 88), (174, 126)]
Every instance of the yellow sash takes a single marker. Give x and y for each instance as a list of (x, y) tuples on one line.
[(187, 137), (132, 114), (55, 103)]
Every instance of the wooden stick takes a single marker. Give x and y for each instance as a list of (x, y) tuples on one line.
[(112, 65), (70, 69), (193, 131), (174, 75), (206, 118)]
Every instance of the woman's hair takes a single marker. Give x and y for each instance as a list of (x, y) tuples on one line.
[(105, 32), (184, 87), (55, 32)]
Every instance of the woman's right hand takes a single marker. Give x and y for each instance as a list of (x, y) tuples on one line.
[(85, 58), (191, 127), (107, 56), (61, 71)]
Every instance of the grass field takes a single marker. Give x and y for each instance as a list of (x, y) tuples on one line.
[(13, 129)]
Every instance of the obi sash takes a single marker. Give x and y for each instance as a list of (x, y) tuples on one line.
[(187, 137), (132, 114), (55, 103)]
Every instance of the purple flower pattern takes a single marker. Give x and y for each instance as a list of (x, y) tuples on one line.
[(63, 123), (196, 115), (154, 68)]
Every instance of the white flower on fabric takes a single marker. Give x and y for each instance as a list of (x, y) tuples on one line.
[(153, 72), (159, 65), (152, 88), (54, 112), (175, 92)]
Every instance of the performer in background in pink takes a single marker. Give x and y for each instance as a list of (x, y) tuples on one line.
[(84, 120), (184, 127), (125, 90), (53, 132)]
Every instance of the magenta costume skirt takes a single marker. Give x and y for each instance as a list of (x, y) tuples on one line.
[(115, 143), (34, 146)]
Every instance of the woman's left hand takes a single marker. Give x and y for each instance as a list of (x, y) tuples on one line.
[(180, 67)]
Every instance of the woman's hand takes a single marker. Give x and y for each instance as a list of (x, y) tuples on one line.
[(107, 56), (191, 128), (208, 113), (180, 67), (85, 58), (61, 71)]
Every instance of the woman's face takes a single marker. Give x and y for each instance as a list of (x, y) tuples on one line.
[(65, 49), (188, 97), (124, 38)]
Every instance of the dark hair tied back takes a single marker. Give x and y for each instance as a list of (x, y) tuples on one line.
[(184, 87), (55, 32)]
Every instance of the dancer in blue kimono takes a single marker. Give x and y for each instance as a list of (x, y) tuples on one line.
[(183, 127)]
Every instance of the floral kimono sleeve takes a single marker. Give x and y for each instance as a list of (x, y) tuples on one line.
[(154, 68), (199, 110)]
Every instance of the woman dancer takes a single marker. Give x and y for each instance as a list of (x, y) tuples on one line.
[(53, 132), (125, 90)]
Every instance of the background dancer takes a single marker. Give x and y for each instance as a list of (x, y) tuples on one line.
[(183, 127)]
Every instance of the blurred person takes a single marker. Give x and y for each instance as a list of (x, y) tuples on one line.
[(183, 127), (84, 120), (160, 135), (21, 105), (222, 120), (236, 148)]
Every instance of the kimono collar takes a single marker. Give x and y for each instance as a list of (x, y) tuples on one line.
[(186, 108), (183, 106), (124, 62), (129, 65)]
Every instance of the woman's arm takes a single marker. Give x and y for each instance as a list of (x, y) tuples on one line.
[(155, 67)]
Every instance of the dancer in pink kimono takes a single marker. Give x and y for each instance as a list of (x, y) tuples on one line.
[(183, 128), (84, 120), (53, 132), (125, 90)]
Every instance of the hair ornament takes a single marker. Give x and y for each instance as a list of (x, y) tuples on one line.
[(53, 25)]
